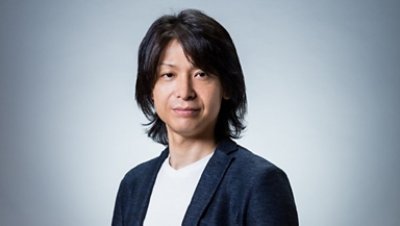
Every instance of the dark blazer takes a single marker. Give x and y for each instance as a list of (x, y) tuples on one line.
[(237, 187)]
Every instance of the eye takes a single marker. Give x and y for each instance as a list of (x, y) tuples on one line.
[(201, 74), (167, 75)]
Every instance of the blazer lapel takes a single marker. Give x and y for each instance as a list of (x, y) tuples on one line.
[(209, 181), (144, 204)]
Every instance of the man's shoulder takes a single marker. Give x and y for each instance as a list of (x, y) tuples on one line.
[(243, 157), (144, 169), (249, 163)]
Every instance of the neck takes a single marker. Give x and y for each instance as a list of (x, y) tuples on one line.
[(184, 151)]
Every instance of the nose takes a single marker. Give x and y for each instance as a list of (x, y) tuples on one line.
[(184, 88)]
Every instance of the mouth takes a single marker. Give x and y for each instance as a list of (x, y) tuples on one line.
[(186, 112)]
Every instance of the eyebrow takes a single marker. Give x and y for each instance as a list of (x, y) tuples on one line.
[(173, 65), (166, 64)]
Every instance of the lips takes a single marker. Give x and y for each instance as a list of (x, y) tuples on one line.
[(186, 112)]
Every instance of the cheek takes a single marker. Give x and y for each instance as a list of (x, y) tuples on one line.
[(214, 98), (156, 97), (158, 93), (160, 96)]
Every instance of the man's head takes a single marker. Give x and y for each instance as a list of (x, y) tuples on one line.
[(209, 47)]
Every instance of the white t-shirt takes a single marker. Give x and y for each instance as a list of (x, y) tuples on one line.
[(172, 193)]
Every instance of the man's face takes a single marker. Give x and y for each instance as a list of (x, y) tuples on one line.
[(186, 98)]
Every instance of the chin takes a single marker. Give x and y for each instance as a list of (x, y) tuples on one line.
[(185, 131)]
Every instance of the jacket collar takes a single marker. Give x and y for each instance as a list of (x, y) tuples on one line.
[(209, 182), (207, 186), (148, 188)]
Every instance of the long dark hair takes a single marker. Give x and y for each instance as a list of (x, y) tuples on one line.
[(210, 48)]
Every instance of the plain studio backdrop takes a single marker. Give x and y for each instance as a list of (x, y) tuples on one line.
[(323, 83)]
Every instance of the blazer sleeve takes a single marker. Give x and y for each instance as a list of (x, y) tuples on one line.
[(117, 219), (271, 200)]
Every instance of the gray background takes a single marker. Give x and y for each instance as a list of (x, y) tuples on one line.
[(323, 86)]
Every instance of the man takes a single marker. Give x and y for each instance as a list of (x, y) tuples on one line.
[(190, 86)]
